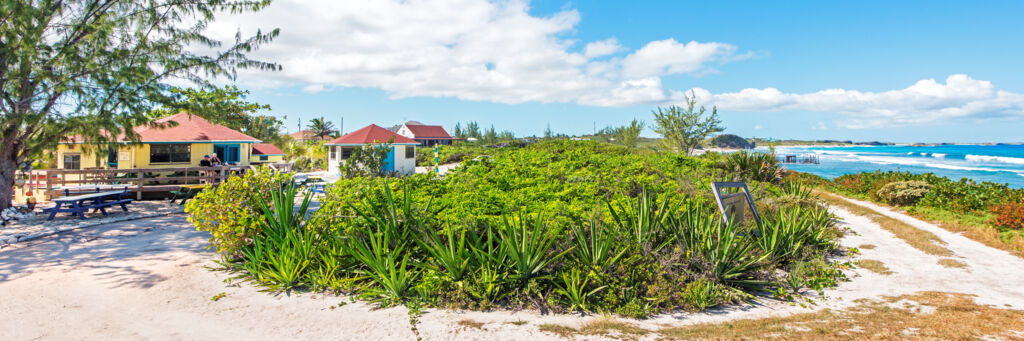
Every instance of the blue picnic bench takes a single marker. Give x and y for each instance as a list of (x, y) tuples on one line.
[(99, 201)]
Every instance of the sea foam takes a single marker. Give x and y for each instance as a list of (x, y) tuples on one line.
[(989, 158)]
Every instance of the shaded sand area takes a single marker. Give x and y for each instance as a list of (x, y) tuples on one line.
[(148, 279)]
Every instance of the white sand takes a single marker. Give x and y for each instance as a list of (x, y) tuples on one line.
[(147, 279)]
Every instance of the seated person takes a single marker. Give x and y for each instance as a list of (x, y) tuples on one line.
[(205, 162)]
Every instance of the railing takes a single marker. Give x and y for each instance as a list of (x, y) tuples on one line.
[(56, 181), (53, 182)]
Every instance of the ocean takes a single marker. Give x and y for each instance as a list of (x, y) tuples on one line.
[(995, 163)]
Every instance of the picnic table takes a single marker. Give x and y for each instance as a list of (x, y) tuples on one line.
[(186, 192), (318, 187), (79, 204)]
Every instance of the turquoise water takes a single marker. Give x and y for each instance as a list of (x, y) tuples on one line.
[(995, 163)]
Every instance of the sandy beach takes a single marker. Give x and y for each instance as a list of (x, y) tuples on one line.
[(149, 279)]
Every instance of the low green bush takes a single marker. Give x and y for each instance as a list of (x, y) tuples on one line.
[(230, 211), (903, 193)]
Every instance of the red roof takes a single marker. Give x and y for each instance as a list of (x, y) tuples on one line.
[(371, 134), (189, 128), (428, 132), (302, 134), (266, 149)]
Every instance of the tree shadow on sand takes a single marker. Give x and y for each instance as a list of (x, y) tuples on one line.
[(119, 254)]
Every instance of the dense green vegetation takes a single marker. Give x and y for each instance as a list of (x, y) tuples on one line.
[(557, 226)]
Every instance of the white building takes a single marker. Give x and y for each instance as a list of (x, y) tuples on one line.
[(426, 135), (401, 158)]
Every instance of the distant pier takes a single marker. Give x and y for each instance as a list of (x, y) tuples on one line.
[(803, 158)]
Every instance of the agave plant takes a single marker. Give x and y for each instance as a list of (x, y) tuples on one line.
[(643, 220), (381, 244), (593, 247), (450, 252), (281, 255), (528, 245), (387, 266), (573, 290), (491, 274), (754, 166), (783, 235)]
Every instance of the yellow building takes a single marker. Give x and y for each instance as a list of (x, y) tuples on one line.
[(182, 145)]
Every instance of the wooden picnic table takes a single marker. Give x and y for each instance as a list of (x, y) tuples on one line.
[(79, 204)]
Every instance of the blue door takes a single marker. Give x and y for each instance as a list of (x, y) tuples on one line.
[(389, 163), (227, 152)]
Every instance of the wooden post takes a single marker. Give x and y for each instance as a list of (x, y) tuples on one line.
[(138, 186), (49, 185)]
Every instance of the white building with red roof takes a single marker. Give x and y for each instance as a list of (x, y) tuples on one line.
[(426, 135), (401, 157)]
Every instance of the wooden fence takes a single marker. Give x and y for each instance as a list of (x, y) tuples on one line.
[(54, 182)]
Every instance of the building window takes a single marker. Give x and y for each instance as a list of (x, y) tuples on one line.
[(72, 161), (410, 152), (346, 153), (170, 153), (334, 153), (264, 158)]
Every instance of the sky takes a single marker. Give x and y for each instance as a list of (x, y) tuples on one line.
[(928, 71)]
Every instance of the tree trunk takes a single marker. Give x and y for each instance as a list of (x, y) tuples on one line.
[(8, 167)]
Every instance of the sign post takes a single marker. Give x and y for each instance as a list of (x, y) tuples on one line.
[(437, 167), (734, 205)]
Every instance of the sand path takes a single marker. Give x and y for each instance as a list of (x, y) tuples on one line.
[(147, 279)]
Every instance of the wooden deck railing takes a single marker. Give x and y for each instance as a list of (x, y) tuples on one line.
[(52, 182)]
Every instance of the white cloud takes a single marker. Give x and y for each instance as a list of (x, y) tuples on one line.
[(602, 48), (666, 57), (479, 50), (925, 101), (313, 88), (468, 49)]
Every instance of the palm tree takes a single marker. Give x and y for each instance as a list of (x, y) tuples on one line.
[(321, 128)]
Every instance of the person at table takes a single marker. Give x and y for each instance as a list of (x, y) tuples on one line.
[(216, 160), (206, 162)]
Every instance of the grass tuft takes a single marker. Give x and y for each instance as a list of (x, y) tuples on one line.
[(954, 317), (470, 324), (952, 263), (874, 266)]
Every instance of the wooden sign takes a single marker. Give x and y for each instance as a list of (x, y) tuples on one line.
[(733, 206)]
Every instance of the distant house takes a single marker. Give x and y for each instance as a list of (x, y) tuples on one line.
[(266, 153), (426, 135), (305, 135), (401, 158), (180, 146)]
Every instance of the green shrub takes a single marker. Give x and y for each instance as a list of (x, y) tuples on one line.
[(611, 229), (903, 193), (231, 211), (701, 294), (753, 166)]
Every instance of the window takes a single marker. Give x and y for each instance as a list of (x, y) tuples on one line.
[(346, 153), (72, 161), (334, 153), (264, 158), (410, 152), (169, 153)]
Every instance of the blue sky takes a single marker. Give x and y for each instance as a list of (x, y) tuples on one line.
[(905, 72)]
